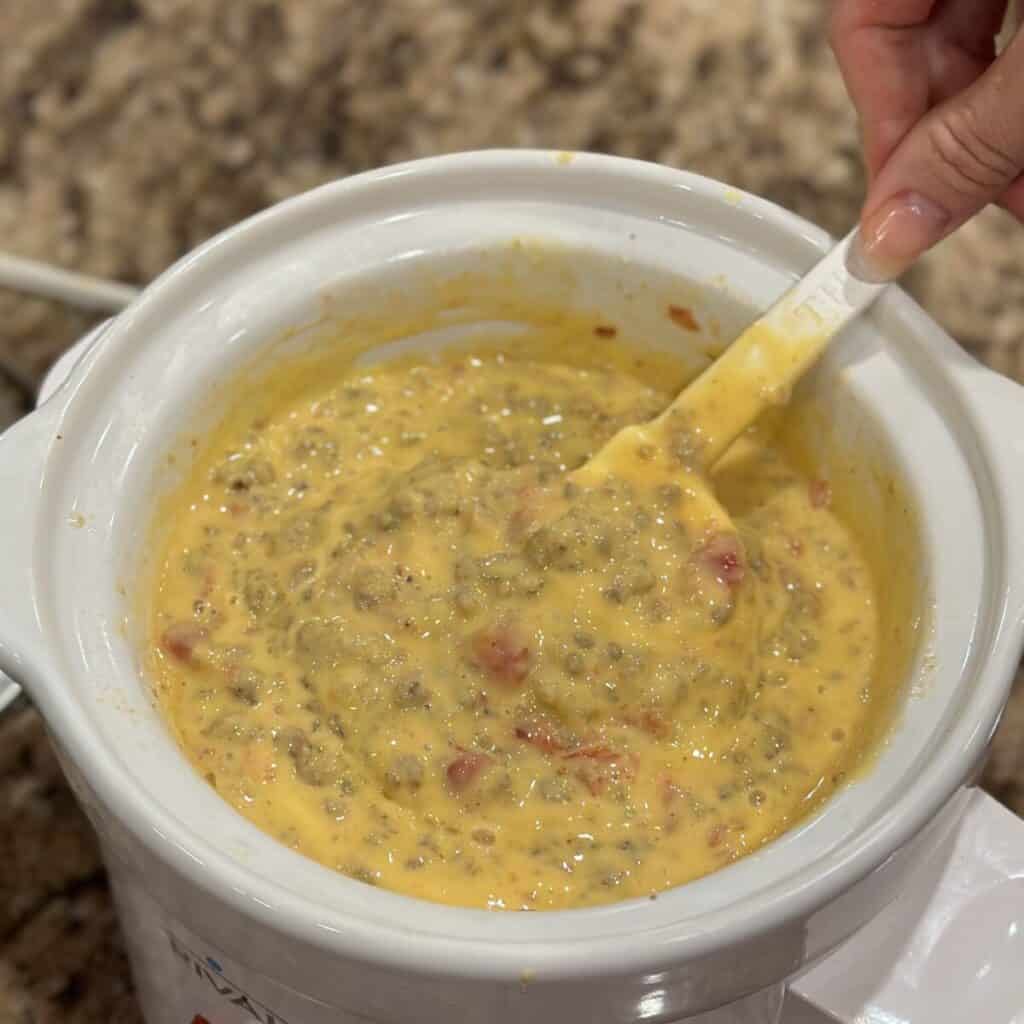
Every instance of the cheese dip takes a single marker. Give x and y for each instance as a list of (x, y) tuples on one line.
[(366, 641)]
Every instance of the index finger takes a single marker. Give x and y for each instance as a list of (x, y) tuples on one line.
[(880, 48)]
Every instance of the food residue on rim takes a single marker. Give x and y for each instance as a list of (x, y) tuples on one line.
[(683, 317)]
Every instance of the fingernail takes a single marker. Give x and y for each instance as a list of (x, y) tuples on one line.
[(895, 235)]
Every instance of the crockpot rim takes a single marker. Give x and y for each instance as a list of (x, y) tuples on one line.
[(836, 871)]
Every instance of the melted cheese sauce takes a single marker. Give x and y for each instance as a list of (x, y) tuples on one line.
[(369, 641)]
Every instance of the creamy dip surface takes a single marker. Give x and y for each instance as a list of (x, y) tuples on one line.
[(369, 640)]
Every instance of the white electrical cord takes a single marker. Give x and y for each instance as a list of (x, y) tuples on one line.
[(49, 282), (9, 691)]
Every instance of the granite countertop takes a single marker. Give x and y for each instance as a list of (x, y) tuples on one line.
[(132, 129)]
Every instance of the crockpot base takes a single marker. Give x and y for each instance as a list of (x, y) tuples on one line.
[(181, 979), (85, 463)]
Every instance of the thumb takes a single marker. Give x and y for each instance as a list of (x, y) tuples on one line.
[(962, 155)]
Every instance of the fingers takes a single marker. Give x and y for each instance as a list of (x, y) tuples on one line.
[(900, 58), (1012, 200), (850, 15), (959, 157), (880, 48), (961, 44), (973, 26)]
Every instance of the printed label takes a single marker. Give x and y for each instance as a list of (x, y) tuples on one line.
[(210, 971)]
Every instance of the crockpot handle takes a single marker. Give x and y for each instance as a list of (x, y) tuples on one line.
[(18, 452), (23, 451)]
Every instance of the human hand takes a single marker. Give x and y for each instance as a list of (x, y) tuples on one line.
[(942, 119)]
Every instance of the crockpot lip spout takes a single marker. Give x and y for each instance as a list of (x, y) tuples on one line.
[(801, 892)]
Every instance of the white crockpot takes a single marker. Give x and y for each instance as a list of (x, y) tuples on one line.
[(225, 923)]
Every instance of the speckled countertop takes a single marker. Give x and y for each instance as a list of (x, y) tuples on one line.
[(132, 129)]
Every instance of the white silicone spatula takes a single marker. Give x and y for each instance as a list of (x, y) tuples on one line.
[(759, 369)]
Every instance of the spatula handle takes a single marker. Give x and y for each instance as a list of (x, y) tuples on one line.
[(761, 366)]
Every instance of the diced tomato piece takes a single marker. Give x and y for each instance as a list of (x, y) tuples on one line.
[(180, 641), (463, 770), (820, 493), (722, 555), (502, 652), (670, 791), (653, 723), (540, 734), (595, 752), (716, 834)]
